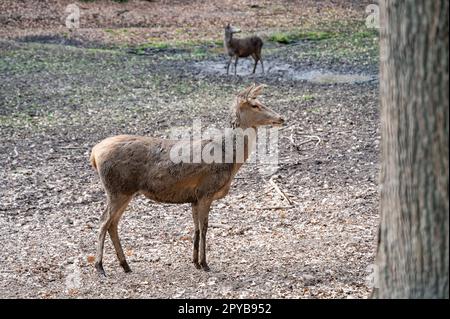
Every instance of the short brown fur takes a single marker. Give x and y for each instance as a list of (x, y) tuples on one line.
[(242, 48), (128, 165)]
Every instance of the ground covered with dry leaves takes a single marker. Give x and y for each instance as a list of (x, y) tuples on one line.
[(62, 93)]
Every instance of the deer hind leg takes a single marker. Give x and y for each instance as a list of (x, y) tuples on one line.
[(235, 65), (101, 238), (203, 214), (196, 235), (255, 57), (114, 204), (114, 234)]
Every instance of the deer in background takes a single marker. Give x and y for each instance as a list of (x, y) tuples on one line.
[(242, 48), (128, 165)]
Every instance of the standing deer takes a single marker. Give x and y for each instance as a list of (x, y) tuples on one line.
[(128, 165), (242, 48)]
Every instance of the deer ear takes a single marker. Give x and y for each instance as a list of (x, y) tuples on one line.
[(257, 90), (246, 93)]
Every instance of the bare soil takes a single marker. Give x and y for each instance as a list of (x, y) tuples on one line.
[(59, 99)]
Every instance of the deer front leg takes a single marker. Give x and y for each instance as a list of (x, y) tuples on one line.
[(228, 65), (203, 207), (257, 57), (196, 235), (235, 65)]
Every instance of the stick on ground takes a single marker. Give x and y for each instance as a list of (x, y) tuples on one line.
[(279, 191)]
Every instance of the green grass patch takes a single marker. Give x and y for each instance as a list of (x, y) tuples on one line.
[(117, 32), (186, 48), (314, 110), (154, 45), (24, 120), (294, 36), (199, 52), (307, 97), (352, 42)]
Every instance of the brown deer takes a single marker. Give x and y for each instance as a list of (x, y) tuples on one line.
[(128, 165), (242, 48)]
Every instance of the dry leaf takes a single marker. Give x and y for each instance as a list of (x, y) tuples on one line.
[(90, 259)]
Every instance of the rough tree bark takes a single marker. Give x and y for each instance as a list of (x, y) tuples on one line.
[(413, 248)]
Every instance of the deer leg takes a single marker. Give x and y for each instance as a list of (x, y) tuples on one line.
[(256, 62), (113, 205), (228, 64), (258, 56), (196, 235), (101, 239), (235, 65), (203, 212), (114, 234)]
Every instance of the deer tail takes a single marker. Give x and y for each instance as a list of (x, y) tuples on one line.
[(92, 160)]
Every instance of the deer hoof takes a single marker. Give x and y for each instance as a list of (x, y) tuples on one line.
[(205, 267), (125, 267), (100, 270), (197, 265)]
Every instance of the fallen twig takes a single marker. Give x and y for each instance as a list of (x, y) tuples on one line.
[(275, 207), (217, 225), (71, 147), (279, 191), (242, 230), (297, 145), (286, 128), (319, 140)]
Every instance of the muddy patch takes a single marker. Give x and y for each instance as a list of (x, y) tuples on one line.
[(283, 71), (327, 77), (154, 51)]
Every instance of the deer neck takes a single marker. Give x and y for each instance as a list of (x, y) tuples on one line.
[(249, 142), (242, 131), (227, 40), (242, 144), (244, 140)]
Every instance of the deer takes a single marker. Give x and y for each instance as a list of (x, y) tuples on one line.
[(129, 165), (242, 48)]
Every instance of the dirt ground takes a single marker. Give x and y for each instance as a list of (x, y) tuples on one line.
[(60, 94)]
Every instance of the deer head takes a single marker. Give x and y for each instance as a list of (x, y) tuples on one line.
[(230, 30), (248, 111)]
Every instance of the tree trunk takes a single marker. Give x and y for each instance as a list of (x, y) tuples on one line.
[(413, 247)]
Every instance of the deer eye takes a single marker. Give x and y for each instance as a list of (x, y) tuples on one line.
[(255, 106)]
